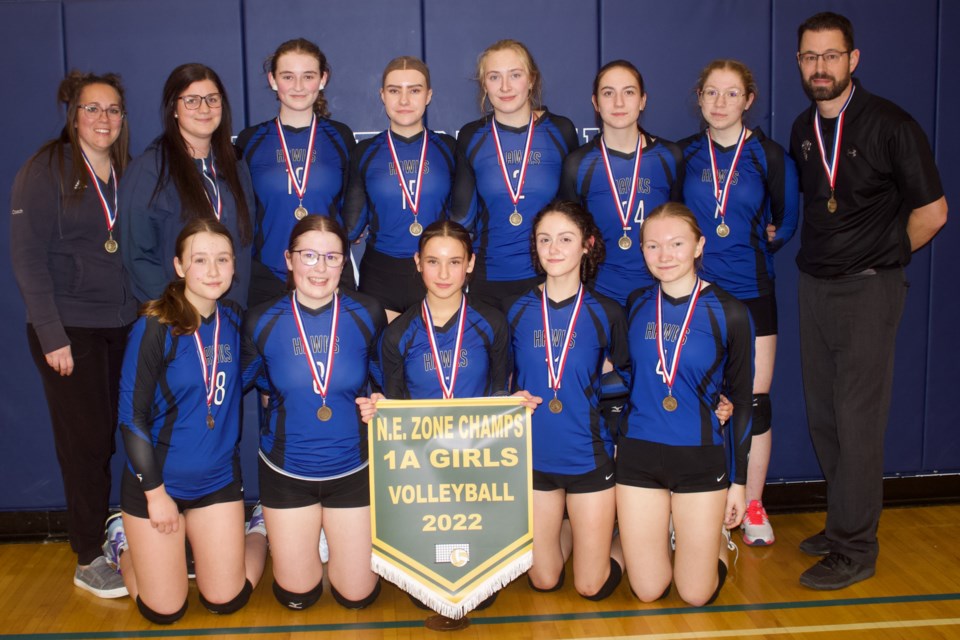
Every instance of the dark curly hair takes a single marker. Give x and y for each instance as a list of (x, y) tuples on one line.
[(583, 219)]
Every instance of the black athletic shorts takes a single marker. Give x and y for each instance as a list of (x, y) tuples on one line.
[(278, 491), (496, 293), (590, 482), (394, 282), (134, 501), (652, 465), (763, 310)]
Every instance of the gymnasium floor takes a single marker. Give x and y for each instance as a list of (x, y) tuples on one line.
[(915, 594)]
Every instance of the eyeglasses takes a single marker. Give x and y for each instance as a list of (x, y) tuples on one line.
[(809, 59), (93, 111), (310, 258), (712, 95), (213, 100)]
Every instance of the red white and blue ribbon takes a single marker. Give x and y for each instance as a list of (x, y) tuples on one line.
[(209, 373), (299, 186), (412, 199), (625, 214), (218, 205), (721, 194), (831, 166), (556, 372), (108, 213), (435, 351), (670, 374), (515, 194), (322, 382)]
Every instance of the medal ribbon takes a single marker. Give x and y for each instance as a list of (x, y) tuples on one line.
[(514, 195), (671, 374), (831, 167), (218, 207), (322, 383), (299, 187), (722, 194), (556, 375), (413, 200), (435, 350), (209, 383), (111, 216), (625, 215)]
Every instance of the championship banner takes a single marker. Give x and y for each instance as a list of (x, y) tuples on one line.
[(450, 498)]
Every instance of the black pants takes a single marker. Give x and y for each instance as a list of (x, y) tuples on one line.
[(848, 327), (83, 413)]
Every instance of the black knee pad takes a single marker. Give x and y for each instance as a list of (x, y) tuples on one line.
[(233, 605), (297, 601), (762, 414), (555, 587), (160, 618), (355, 604), (420, 604), (485, 604), (722, 577), (616, 573)]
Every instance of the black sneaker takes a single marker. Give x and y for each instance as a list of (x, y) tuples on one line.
[(816, 545), (835, 571)]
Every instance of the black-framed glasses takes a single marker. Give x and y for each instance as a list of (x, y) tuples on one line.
[(213, 100), (809, 58), (93, 111), (310, 258)]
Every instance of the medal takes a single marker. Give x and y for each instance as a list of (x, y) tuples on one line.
[(831, 167), (435, 349), (321, 383), (209, 382), (299, 186), (214, 187), (624, 209), (515, 218), (410, 199), (110, 245), (669, 374), (555, 375), (721, 195)]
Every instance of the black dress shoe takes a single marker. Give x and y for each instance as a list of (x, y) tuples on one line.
[(835, 571), (816, 545)]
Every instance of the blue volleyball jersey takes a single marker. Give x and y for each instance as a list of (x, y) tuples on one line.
[(293, 440), (482, 202), (717, 357), (374, 197), (577, 439), (585, 181), (409, 369), (163, 406), (764, 190), (277, 199)]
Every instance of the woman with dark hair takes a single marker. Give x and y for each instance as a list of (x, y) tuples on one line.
[(298, 162), (309, 352), (743, 187), (677, 462), (180, 419), (562, 333), (399, 183), (64, 251), (621, 174), (508, 168), (190, 171)]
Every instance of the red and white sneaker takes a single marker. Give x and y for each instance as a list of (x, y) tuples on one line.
[(757, 531)]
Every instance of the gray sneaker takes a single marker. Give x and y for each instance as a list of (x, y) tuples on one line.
[(100, 579)]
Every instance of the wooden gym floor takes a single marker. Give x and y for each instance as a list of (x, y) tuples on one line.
[(915, 594)]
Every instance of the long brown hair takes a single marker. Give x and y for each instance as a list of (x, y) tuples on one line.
[(302, 45), (68, 93), (177, 164), (583, 220), (172, 307), (316, 223)]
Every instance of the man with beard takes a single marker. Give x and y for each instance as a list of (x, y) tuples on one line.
[(872, 195)]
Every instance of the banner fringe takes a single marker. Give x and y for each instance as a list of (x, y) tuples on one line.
[(497, 581)]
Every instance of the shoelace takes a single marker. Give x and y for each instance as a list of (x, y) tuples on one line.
[(755, 513)]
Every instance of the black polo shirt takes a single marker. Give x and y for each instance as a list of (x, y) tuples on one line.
[(886, 170)]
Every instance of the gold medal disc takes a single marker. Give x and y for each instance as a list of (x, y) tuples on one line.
[(516, 219), (300, 212), (670, 403), (210, 421), (624, 243), (555, 406), (723, 230), (416, 229), (324, 413), (111, 246), (832, 205)]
